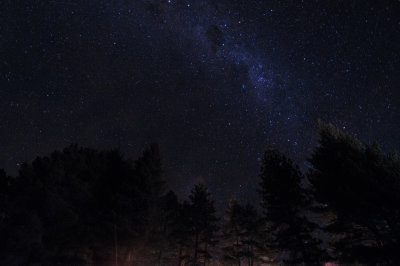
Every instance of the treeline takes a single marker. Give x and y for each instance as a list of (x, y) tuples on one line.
[(81, 206)]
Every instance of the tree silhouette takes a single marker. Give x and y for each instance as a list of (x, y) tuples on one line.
[(360, 185), (283, 202), (85, 206), (202, 223), (80, 205), (163, 240), (243, 235)]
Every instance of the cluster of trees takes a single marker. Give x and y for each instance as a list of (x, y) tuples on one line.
[(86, 207)]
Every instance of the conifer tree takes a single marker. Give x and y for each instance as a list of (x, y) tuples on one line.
[(360, 185), (202, 223), (231, 230), (243, 235), (283, 202), (80, 206), (163, 241)]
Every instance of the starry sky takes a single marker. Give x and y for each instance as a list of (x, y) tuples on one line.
[(211, 81)]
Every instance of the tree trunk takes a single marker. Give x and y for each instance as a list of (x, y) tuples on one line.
[(196, 245), (180, 255), (251, 255), (248, 253), (116, 244), (159, 256), (236, 250), (204, 263)]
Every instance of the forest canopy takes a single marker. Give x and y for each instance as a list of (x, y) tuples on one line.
[(82, 206)]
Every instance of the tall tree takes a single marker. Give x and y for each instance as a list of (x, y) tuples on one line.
[(163, 240), (243, 235), (253, 234), (80, 206), (360, 185), (182, 232), (283, 202), (148, 168), (232, 246), (202, 223)]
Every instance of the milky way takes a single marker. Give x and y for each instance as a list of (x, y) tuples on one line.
[(211, 81)]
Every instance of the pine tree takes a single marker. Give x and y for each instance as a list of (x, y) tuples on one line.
[(283, 202), (182, 233), (202, 223), (231, 230), (82, 206), (243, 233), (360, 185), (148, 171), (253, 234)]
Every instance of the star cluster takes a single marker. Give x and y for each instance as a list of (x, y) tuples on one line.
[(211, 81)]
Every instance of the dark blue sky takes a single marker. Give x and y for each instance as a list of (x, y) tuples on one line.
[(211, 81)]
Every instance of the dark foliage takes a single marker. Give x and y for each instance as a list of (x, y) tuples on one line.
[(78, 206), (82, 206), (202, 225), (360, 185), (284, 204), (243, 235)]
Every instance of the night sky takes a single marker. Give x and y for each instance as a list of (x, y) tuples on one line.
[(211, 81)]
